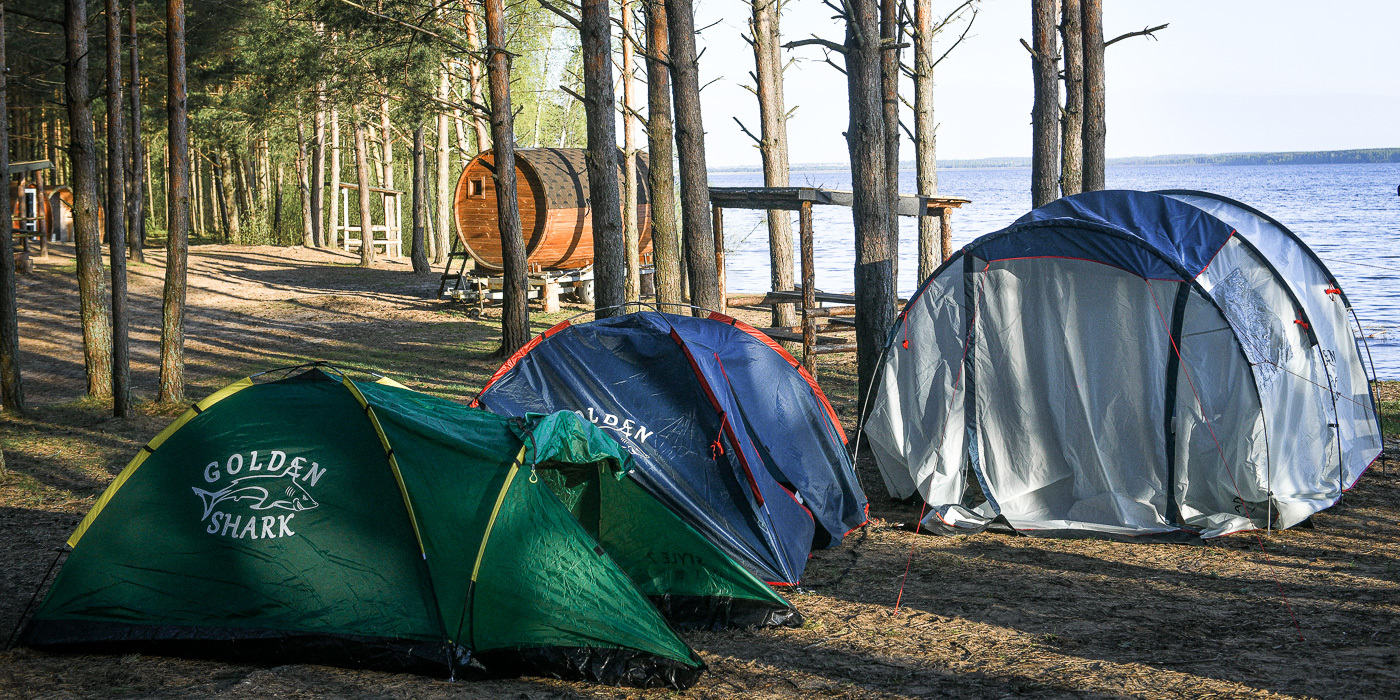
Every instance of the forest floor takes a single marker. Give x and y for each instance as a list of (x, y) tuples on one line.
[(983, 616)]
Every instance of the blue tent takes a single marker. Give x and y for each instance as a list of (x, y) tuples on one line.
[(1167, 365), (727, 428)]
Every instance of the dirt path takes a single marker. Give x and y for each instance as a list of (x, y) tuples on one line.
[(986, 616)]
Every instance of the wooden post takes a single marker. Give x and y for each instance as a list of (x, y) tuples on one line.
[(719, 258), (809, 290), (945, 231)]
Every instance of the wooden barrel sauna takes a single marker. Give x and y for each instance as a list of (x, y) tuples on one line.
[(552, 186)]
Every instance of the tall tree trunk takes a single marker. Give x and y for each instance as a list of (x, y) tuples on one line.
[(609, 259), (228, 197), (664, 235), (1072, 116), (419, 255), (1095, 127), (515, 314), (442, 221), (197, 222), (386, 148), (772, 114), (1045, 113), (483, 134), (362, 181), (889, 95), (870, 209), (116, 215), (172, 337), (318, 170), (87, 236), (339, 214), (925, 136), (238, 166), (632, 287), (690, 148), (136, 229), (11, 383), (308, 235), (277, 207)]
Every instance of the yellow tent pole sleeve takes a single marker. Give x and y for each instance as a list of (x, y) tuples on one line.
[(393, 463), (149, 448), (495, 510)]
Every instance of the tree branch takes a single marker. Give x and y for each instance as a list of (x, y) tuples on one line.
[(816, 41), (962, 36), (546, 4), (1146, 31), (572, 94), (745, 129), (414, 27)]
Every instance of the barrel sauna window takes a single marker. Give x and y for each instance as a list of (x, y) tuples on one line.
[(555, 220)]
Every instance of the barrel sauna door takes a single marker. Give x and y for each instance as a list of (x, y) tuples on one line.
[(554, 214)]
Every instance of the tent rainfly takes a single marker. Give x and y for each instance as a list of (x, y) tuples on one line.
[(321, 520), (1165, 365), (725, 427)]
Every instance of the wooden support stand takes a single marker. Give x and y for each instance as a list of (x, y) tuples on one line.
[(392, 226), (801, 199)]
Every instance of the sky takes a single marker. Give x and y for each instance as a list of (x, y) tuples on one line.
[(1225, 76)]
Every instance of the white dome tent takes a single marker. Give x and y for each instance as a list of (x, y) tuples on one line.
[(1159, 366)]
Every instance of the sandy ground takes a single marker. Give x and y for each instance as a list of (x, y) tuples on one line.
[(985, 616)]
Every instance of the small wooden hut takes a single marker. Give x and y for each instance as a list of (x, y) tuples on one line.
[(554, 212)]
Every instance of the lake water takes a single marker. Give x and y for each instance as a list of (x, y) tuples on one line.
[(1349, 214)]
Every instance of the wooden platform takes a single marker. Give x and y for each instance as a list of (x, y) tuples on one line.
[(840, 318)]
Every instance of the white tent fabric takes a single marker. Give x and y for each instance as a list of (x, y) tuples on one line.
[(1074, 375)]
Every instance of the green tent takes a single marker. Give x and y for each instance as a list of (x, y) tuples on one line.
[(322, 520)]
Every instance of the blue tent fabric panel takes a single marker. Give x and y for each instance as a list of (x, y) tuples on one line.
[(640, 389), (725, 431), (790, 431), (1186, 236)]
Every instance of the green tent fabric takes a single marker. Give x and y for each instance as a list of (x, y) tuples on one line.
[(316, 519)]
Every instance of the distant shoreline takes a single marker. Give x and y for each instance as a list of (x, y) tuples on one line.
[(1360, 155)]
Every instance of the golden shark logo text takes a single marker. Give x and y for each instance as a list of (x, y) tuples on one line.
[(635, 432), (241, 497)]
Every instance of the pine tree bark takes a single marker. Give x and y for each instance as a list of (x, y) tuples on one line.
[(277, 207), (515, 313), (87, 234), (172, 338), (1095, 131), (664, 235), (699, 241), (116, 215), (870, 210), (318, 170), (632, 287), (889, 84), (419, 254), (479, 126), (442, 221), (773, 147), (228, 197), (136, 228), (609, 258), (11, 380), (308, 236), (339, 214), (362, 183), (925, 137), (1045, 113), (1072, 116)]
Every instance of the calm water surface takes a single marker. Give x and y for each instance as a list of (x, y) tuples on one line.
[(1349, 214)]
